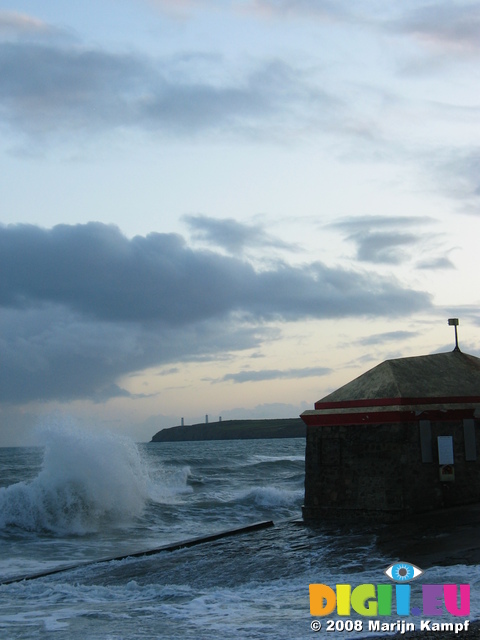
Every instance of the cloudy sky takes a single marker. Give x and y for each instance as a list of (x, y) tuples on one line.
[(229, 207)]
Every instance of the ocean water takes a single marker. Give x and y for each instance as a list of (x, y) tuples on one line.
[(87, 496)]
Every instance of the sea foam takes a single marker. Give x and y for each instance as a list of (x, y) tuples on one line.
[(87, 481)]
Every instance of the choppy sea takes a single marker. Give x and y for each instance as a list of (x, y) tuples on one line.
[(89, 495)]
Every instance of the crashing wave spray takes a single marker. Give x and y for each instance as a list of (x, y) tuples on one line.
[(87, 481)]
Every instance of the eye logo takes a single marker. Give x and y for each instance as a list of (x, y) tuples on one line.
[(403, 572)]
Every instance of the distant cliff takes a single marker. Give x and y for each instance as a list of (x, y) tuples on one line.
[(234, 430)]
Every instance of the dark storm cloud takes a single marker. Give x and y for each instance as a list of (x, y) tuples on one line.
[(378, 246), (51, 353), (82, 305), (231, 235), (275, 374), (96, 271), (389, 240), (53, 87), (382, 247)]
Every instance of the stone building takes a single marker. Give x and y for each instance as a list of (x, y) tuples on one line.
[(400, 439)]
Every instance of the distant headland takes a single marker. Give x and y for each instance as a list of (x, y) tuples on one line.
[(234, 430)]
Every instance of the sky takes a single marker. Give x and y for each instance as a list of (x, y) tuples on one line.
[(229, 207)]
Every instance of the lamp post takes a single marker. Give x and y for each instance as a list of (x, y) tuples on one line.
[(454, 322)]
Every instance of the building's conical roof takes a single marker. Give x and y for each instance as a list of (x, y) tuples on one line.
[(441, 375)]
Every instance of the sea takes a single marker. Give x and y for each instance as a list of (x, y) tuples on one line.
[(87, 495)]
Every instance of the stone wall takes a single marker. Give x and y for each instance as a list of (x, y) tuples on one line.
[(377, 471)]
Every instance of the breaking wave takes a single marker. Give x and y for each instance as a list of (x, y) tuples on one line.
[(272, 497), (87, 481)]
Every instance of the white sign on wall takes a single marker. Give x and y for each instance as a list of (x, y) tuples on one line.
[(445, 449)]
